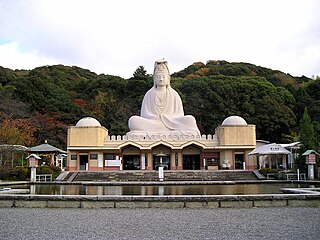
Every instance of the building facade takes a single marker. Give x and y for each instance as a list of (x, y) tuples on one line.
[(90, 148)]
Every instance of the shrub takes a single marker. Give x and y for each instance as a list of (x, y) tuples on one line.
[(44, 170), (265, 171), (5, 173), (14, 174), (21, 173), (55, 171)]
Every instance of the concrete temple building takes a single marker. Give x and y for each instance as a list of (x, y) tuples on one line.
[(161, 135)]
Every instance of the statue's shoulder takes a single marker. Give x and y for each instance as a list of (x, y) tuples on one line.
[(149, 95), (172, 91), (150, 91)]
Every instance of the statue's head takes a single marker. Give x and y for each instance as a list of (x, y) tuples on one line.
[(161, 75)]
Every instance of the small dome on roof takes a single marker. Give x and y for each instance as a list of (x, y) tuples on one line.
[(234, 120), (88, 122)]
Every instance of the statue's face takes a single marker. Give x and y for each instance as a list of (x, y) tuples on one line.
[(161, 79)]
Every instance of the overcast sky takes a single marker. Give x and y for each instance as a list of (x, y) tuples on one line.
[(115, 37)]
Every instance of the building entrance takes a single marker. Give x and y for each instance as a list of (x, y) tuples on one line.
[(238, 163), (84, 162), (191, 162), (157, 162), (131, 162)]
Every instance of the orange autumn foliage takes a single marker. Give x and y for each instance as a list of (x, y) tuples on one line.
[(16, 131)]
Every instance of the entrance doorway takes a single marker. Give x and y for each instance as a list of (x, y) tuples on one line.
[(131, 162), (191, 162), (238, 163), (157, 162), (84, 162)]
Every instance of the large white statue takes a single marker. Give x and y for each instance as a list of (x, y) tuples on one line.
[(162, 110)]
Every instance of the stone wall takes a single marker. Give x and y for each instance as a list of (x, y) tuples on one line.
[(86, 136), (223, 201), (236, 135)]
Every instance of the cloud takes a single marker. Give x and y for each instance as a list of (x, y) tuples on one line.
[(12, 57), (115, 37)]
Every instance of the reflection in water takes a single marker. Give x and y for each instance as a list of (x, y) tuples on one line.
[(161, 190), (237, 189), (32, 189)]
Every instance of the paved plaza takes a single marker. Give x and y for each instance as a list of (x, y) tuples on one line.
[(252, 223)]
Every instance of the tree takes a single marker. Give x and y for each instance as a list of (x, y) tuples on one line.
[(315, 77), (104, 107), (14, 132), (51, 126), (140, 71), (11, 106), (212, 99), (307, 133), (54, 97), (118, 129), (307, 138)]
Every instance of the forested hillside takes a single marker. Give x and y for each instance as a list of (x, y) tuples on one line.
[(40, 104)]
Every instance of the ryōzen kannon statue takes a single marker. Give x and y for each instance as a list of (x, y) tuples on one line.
[(162, 111)]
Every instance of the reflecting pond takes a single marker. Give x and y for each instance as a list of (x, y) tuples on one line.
[(229, 189)]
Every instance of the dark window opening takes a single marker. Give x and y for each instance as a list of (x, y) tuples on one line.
[(191, 162), (131, 162)]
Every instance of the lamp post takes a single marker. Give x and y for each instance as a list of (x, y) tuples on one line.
[(310, 161), (160, 168), (32, 164)]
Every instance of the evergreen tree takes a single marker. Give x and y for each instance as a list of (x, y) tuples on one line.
[(307, 138), (140, 71), (307, 134)]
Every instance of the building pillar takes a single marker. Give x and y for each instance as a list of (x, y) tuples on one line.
[(173, 161), (143, 161), (284, 162), (230, 159), (150, 161), (78, 162), (180, 161), (52, 160), (250, 161), (227, 160), (88, 164)]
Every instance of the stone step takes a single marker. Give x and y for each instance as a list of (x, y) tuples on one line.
[(201, 175), (72, 177)]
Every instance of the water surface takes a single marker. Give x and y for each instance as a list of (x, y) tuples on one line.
[(237, 189)]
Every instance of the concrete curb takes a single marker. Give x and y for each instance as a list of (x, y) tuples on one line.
[(147, 183), (181, 201)]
